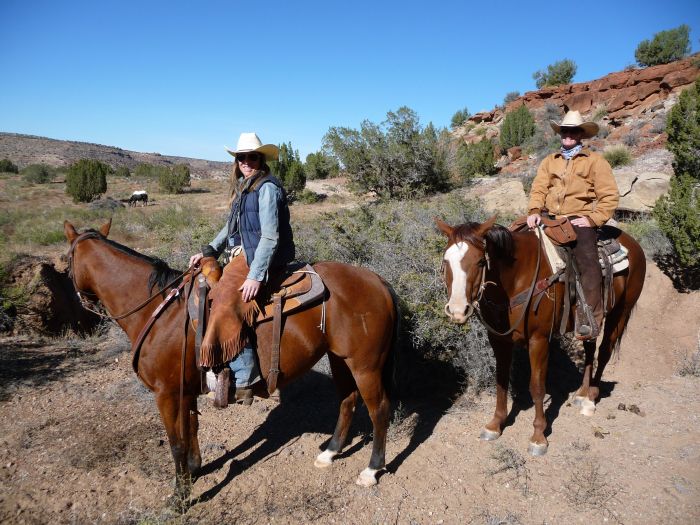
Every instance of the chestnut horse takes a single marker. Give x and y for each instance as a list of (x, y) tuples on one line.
[(485, 267), (360, 322)]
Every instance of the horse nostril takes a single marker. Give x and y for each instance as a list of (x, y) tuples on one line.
[(447, 310)]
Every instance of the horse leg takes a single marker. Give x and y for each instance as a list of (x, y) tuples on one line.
[(347, 392), (194, 457), (538, 352), (377, 402), (169, 407), (503, 352), (582, 395)]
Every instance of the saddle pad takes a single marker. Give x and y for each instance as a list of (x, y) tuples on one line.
[(307, 286), (556, 262)]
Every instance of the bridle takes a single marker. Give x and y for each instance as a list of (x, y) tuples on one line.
[(475, 305), (88, 300)]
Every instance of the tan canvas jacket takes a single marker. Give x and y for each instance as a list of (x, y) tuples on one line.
[(582, 186)]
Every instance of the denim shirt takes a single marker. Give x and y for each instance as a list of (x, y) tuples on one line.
[(269, 200)]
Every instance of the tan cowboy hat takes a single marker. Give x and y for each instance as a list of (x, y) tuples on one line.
[(250, 142), (573, 119)]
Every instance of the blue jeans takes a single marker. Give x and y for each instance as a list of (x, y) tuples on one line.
[(245, 368)]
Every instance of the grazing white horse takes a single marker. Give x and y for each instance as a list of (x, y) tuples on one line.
[(138, 196)]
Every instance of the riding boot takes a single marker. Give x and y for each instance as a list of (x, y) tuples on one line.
[(585, 252), (222, 387), (246, 372)]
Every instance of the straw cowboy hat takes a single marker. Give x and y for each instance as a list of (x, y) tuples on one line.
[(573, 119), (250, 142)]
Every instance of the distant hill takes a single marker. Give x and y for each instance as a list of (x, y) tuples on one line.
[(30, 149)]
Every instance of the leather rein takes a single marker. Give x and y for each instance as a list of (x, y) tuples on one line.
[(88, 304)]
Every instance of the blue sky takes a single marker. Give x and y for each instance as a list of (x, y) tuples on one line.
[(186, 78)]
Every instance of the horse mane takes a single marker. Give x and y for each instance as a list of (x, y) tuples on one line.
[(498, 239), (161, 274)]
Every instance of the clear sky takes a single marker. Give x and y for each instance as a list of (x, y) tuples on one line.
[(187, 77)]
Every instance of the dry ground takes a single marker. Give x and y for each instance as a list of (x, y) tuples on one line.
[(81, 440)]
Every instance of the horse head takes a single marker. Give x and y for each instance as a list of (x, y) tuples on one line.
[(74, 238), (463, 264)]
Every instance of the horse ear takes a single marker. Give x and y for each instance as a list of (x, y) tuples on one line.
[(487, 225), (444, 227), (104, 229), (69, 231)]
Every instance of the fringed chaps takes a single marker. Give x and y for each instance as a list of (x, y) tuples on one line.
[(229, 318)]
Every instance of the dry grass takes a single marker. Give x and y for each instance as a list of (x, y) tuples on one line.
[(588, 487), (512, 466)]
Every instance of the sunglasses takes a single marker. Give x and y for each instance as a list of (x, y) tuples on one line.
[(570, 131), (248, 157)]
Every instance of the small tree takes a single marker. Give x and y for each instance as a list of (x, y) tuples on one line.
[(683, 129), (459, 118), (7, 166), (122, 171), (678, 215), (517, 127), (474, 160), (86, 179), (561, 72), (320, 166), (174, 180), (665, 47), (511, 97), (395, 159), (38, 173), (289, 169)]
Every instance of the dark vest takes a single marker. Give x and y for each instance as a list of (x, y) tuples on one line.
[(249, 225)]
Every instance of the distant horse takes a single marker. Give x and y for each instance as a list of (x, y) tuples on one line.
[(486, 266), (360, 321), (138, 196)]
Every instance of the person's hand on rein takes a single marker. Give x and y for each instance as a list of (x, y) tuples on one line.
[(195, 259), (533, 220), (250, 289)]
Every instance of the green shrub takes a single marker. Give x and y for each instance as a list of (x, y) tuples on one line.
[(475, 160), (561, 72), (396, 159), (148, 171), (511, 97), (460, 118), (86, 179), (683, 129), (678, 215), (38, 173), (174, 180), (649, 235), (122, 171), (308, 197), (665, 47), (600, 112), (517, 127), (7, 166), (289, 169), (320, 166), (618, 156), (373, 236)]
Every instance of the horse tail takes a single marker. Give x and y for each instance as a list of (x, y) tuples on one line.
[(390, 370)]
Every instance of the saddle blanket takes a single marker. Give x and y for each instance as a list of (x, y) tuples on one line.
[(618, 259)]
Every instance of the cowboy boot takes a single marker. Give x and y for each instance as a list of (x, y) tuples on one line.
[(222, 387), (589, 313)]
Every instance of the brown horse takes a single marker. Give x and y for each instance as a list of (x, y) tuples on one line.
[(485, 267), (360, 322)]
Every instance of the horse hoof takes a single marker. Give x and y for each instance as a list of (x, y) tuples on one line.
[(537, 449), (577, 401), (489, 435), (587, 408), (367, 477), (325, 459)]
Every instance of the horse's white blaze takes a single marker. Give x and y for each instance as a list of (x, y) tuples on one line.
[(367, 477), (458, 294), (325, 459)]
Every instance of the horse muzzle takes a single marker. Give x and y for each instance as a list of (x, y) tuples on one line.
[(457, 317)]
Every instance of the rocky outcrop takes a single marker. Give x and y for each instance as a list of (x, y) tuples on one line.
[(508, 198), (622, 94), (639, 191)]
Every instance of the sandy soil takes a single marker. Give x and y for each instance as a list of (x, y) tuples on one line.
[(82, 442)]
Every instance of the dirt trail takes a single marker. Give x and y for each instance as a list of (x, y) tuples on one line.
[(82, 442)]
